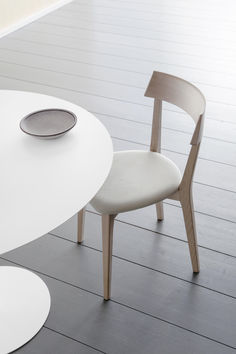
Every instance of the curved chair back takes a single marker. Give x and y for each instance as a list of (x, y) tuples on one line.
[(172, 89), (177, 91)]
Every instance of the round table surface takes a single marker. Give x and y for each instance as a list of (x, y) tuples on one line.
[(45, 182)]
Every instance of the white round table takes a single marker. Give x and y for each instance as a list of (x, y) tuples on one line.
[(42, 184)]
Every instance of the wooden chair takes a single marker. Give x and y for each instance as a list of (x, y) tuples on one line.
[(141, 178)]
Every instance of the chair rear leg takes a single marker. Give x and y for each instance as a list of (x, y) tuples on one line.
[(80, 225), (107, 242), (160, 211), (189, 219)]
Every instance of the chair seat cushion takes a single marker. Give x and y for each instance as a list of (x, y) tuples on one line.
[(137, 179)]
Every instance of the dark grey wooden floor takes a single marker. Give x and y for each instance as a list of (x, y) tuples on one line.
[(100, 55)]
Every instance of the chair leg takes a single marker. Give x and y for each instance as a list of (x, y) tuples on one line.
[(160, 211), (189, 219), (80, 225), (107, 242)]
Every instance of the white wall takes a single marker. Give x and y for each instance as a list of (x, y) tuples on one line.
[(15, 13)]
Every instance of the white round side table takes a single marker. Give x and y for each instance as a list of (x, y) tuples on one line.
[(42, 184)]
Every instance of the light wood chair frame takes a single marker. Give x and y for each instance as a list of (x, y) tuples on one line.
[(163, 87)]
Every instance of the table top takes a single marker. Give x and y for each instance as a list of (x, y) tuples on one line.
[(45, 182)]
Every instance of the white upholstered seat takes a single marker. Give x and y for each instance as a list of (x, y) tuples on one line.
[(141, 178), (137, 179)]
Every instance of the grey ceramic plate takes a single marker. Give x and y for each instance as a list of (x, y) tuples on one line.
[(48, 123)]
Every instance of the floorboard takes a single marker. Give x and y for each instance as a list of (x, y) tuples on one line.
[(49, 342), (100, 54), (212, 150), (158, 252), (84, 316)]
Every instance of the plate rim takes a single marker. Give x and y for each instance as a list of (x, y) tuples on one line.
[(46, 110)]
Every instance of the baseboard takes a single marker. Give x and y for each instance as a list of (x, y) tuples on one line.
[(33, 17)]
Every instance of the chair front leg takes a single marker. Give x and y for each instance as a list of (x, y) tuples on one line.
[(80, 225), (186, 201), (160, 211), (107, 243)]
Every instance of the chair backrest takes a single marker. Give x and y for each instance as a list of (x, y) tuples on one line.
[(172, 89)]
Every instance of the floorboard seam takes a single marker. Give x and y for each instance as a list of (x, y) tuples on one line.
[(115, 55), (107, 81), (155, 232), (151, 4), (126, 48), (79, 3), (65, 9), (122, 35), (206, 214), (163, 234), (113, 82), (172, 237), (170, 323), (135, 142), (60, 14), (133, 10), (121, 304), (107, 54), (176, 152), (75, 340), (117, 69), (166, 110), (147, 267), (131, 36)]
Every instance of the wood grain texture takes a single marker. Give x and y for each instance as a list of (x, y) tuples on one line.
[(100, 54), (156, 144), (81, 222), (165, 87), (177, 91), (160, 211), (159, 252), (107, 244), (186, 201)]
